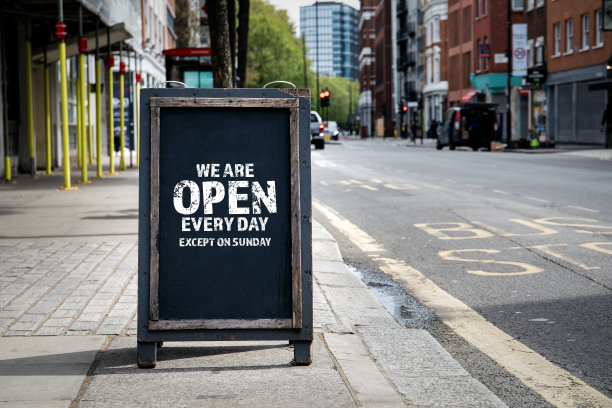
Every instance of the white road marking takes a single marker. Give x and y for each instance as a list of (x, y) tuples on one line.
[(583, 208), (368, 187), (501, 192), (554, 384), (539, 200)]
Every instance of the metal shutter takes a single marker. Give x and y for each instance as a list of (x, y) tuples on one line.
[(566, 119), (591, 105)]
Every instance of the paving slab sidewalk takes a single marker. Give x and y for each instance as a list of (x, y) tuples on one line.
[(67, 313)]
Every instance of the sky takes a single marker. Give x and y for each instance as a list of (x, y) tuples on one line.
[(293, 8)]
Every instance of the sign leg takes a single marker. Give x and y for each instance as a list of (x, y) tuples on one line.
[(302, 351), (147, 354)]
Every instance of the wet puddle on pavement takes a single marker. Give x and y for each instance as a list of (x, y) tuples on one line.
[(403, 307)]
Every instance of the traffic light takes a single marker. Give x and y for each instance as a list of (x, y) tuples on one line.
[(404, 108), (324, 95), (609, 69)]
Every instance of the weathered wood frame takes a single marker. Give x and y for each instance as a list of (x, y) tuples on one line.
[(291, 104)]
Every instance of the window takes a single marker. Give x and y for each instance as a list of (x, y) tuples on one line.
[(530, 54), (485, 7), (557, 39), (530, 4), (478, 9), (518, 5), (539, 51), (599, 31), (479, 57), (585, 31), (486, 59), (540, 3), (569, 36), (436, 30)]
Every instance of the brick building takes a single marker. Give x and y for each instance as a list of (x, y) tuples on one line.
[(408, 69), (490, 77), (384, 72), (367, 80), (535, 82), (460, 49), (577, 51)]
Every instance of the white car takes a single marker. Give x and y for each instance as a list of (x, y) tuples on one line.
[(331, 130), (316, 130)]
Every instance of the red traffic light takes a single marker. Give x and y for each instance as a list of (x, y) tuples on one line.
[(326, 93), (405, 108), (322, 95)]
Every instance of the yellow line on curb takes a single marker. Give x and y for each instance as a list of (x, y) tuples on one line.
[(554, 384)]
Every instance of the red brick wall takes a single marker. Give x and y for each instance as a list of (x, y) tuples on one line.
[(460, 48), (558, 12)]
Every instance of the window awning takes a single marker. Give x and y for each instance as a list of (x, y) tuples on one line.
[(469, 96)]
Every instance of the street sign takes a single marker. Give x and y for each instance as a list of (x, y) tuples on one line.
[(224, 233), (519, 55), (484, 50)]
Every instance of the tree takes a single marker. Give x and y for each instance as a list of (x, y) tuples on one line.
[(221, 58), (243, 43), (274, 52), (187, 23)]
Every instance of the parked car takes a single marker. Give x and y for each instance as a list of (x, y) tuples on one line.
[(317, 136), (331, 130), (471, 124)]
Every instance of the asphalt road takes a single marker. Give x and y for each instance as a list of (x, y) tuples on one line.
[(525, 240)]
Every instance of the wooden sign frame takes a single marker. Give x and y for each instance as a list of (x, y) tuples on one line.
[(297, 328)]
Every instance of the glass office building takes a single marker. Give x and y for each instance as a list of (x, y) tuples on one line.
[(335, 26)]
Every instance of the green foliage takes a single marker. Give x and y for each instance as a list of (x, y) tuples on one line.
[(277, 54), (339, 104)]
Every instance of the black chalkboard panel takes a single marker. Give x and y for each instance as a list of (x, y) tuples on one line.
[(224, 247), (223, 253)]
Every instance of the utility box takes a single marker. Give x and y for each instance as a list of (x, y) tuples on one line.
[(224, 250)]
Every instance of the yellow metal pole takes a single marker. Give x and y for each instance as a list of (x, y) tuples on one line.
[(78, 125), (111, 124), (30, 103), (99, 119), (84, 179), (7, 157), (47, 122), (89, 124), (64, 90), (122, 121)]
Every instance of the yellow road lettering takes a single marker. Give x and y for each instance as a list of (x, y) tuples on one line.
[(542, 230), (527, 268), (596, 246), (460, 230)]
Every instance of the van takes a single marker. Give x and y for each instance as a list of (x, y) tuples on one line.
[(472, 124)]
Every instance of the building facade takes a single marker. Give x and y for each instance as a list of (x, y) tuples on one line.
[(460, 50), (367, 78), (408, 67), (332, 38), (490, 78), (30, 46), (386, 109), (535, 81), (435, 89), (577, 51)]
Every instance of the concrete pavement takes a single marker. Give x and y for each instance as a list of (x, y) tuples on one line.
[(67, 320)]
